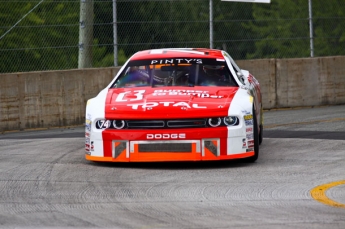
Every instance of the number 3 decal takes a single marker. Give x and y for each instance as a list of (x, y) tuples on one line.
[(139, 96)]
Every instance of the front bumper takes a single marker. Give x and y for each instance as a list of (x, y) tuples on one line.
[(203, 144)]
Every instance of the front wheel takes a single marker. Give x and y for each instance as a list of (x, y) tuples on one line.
[(261, 135)]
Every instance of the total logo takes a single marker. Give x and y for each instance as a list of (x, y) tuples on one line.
[(166, 136), (149, 105)]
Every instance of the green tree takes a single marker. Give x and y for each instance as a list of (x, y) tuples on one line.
[(45, 39), (329, 27), (230, 32), (159, 24), (281, 29), (151, 24)]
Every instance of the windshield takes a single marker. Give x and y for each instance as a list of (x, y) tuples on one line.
[(175, 72)]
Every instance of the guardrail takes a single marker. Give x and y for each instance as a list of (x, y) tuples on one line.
[(57, 98)]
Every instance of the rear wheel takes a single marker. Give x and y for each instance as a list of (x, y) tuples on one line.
[(256, 140)]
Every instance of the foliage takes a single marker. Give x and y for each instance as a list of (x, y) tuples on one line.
[(329, 27), (31, 45), (230, 31), (47, 37), (282, 29)]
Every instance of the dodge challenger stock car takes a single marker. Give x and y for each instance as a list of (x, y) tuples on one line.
[(176, 104)]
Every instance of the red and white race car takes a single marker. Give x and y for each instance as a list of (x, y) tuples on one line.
[(176, 105)]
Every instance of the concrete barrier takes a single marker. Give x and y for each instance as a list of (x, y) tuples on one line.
[(57, 98), (48, 99), (264, 71), (299, 82)]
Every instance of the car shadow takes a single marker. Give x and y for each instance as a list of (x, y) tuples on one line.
[(175, 165)]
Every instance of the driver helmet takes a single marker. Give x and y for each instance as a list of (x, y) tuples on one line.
[(213, 70)]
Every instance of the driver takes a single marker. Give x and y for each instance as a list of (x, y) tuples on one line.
[(215, 71), (213, 75)]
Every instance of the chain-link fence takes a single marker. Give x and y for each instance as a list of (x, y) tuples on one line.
[(49, 34)]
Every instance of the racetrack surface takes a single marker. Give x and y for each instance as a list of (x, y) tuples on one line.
[(45, 181)]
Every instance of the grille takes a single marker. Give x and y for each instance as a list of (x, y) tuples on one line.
[(164, 124), (165, 147), (145, 124), (186, 123)]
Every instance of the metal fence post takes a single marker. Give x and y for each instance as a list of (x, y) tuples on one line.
[(115, 33), (85, 34), (311, 29), (211, 24)]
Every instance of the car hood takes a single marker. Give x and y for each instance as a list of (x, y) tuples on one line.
[(172, 102)]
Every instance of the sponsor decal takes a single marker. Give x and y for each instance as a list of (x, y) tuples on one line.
[(88, 123), (250, 136), (249, 129), (87, 147), (137, 95), (250, 143), (245, 112), (200, 95), (177, 61), (248, 122), (92, 147), (165, 104), (88, 127), (244, 143), (181, 91), (166, 136), (249, 149), (248, 117)]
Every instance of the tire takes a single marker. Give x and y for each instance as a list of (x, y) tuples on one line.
[(261, 135), (252, 159)]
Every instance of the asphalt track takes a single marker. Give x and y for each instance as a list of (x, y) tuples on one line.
[(297, 182)]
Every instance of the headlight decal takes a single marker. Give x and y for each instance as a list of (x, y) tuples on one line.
[(231, 121), (119, 124), (106, 124), (214, 122), (102, 124)]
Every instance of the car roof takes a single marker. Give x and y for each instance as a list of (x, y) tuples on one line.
[(178, 53)]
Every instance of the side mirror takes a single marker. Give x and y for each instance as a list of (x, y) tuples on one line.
[(242, 78)]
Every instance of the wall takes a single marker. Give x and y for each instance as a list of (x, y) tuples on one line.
[(48, 99), (58, 98), (300, 81)]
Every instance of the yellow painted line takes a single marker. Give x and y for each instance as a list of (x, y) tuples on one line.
[(319, 193)]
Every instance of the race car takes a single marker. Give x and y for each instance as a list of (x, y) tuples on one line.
[(176, 104)]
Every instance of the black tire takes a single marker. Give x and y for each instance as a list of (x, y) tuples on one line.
[(261, 135), (252, 159)]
